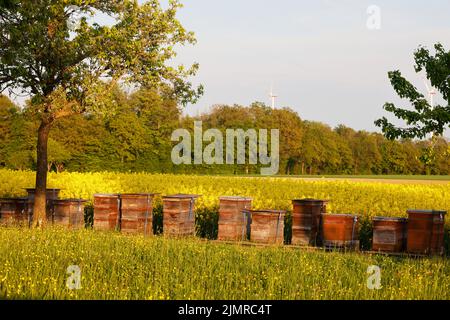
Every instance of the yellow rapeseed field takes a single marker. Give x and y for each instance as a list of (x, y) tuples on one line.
[(365, 198)]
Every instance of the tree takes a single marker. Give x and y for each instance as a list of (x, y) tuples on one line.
[(68, 68), (366, 153), (160, 116), (7, 112), (88, 141), (345, 137), (291, 134), (58, 154), (424, 119), (320, 148), (20, 141), (130, 143)]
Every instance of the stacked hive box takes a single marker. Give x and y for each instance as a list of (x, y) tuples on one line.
[(14, 211), (426, 232), (389, 234), (179, 215), (340, 231), (137, 213), (234, 219), (69, 213), (306, 217), (107, 212), (267, 226)]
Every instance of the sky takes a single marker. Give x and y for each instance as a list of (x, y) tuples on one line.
[(321, 57)]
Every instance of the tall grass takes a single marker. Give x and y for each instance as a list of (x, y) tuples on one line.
[(33, 265)]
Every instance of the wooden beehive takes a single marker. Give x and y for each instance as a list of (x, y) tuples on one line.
[(233, 218), (306, 217), (14, 212), (106, 212), (267, 226), (137, 213), (340, 231), (69, 213), (426, 232), (389, 234), (179, 215)]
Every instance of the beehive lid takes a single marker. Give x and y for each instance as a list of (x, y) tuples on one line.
[(14, 199), (131, 195), (389, 219), (106, 195), (182, 196), (268, 211), (427, 211), (235, 198), (310, 200), (69, 200), (348, 215)]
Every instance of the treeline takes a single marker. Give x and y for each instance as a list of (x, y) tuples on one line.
[(136, 136)]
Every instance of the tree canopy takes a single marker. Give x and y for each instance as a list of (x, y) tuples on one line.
[(425, 118), (99, 143), (59, 53)]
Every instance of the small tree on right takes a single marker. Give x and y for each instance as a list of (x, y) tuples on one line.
[(425, 119)]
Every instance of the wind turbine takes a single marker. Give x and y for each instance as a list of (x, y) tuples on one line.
[(431, 92), (272, 97)]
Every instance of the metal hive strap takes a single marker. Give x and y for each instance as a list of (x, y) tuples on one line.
[(244, 223), (80, 213), (191, 205), (119, 214), (146, 215), (278, 226), (355, 219)]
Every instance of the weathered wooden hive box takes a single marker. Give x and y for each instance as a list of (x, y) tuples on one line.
[(234, 218), (426, 232), (137, 213), (106, 212), (306, 217), (69, 213), (267, 226), (340, 231), (14, 212), (389, 234), (179, 215)]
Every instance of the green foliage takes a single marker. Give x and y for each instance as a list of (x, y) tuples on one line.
[(138, 138), (424, 119), (64, 66)]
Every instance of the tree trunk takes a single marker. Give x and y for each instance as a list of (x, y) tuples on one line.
[(40, 197), (59, 167)]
